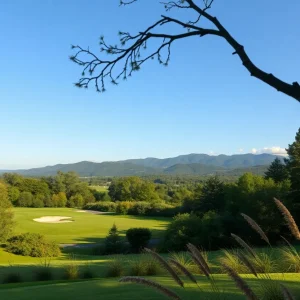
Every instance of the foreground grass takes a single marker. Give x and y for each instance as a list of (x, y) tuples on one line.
[(86, 228), (111, 289)]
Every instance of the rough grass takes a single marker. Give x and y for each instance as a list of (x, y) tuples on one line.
[(110, 289), (86, 228)]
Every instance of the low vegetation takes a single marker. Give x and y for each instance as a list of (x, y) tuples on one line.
[(32, 244)]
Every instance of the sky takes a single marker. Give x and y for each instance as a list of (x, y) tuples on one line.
[(203, 102)]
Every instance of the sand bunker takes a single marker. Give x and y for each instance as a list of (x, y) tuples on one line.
[(53, 219)]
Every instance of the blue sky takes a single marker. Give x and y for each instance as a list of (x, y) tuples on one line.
[(203, 102)]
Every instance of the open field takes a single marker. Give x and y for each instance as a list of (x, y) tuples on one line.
[(99, 188), (110, 289), (86, 228)]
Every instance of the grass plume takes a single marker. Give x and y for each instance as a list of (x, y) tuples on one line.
[(288, 218), (286, 293), (143, 281), (193, 249), (184, 270), (240, 283), (256, 227), (242, 243), (166, 266), (247, 263)]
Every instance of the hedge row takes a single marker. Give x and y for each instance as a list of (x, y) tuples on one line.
[(157, 209)]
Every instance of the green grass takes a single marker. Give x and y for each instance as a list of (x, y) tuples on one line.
[(86, 228), (99, 188), (110, 289)]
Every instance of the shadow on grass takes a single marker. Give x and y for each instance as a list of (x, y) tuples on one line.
[(110, 289)]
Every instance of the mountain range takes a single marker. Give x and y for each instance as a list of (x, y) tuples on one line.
[(190, 164)]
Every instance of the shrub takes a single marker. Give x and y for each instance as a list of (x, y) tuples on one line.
[(12, 278), (113, 243), (71, 271), (139, 208), (185, 260), (152, 267), (184, 229), (138, 238), (231, 260), (123, 207), (138, 267), (115, 268), (43, 274), (264, 263), (32, 244), (290, 260), (101, 206)]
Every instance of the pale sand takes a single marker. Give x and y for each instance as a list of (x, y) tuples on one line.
[(53, 219)]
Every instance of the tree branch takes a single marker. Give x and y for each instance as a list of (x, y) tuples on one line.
[(133, 59), (292, 90)]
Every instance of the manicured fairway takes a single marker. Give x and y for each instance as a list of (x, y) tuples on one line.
[(110, 289), (86, 228)]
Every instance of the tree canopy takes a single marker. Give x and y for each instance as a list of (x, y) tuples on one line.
[(133, 52)]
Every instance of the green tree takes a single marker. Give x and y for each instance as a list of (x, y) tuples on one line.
[(59, 200), (113, 243), (38, 200), (132, 189), (25, 199), (212, 197), (13, 194), (6, 215), (133, 50), (277, 171), (293, 166), (76, 201)]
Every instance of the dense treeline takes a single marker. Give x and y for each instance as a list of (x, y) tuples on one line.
[(62, 190)]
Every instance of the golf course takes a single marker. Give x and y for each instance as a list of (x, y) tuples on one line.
[(84, 226), (88, 227)]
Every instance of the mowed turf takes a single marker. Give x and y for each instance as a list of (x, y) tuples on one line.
[(111, 289), (86, 228)]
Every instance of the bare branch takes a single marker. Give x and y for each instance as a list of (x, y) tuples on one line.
[(131, 56)]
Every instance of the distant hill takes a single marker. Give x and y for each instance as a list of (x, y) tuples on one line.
[(87, 169), (225, 161), (193, 169), (191, 164)]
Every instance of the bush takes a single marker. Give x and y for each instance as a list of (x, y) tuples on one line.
[(185, 260), (230, 259), (32, 244), (115, 268), (139, 208), (290, 260), (43, 274), (138, 268), (122, 208), (138, 238), (101, 206), (71, 271), (12, 278)]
